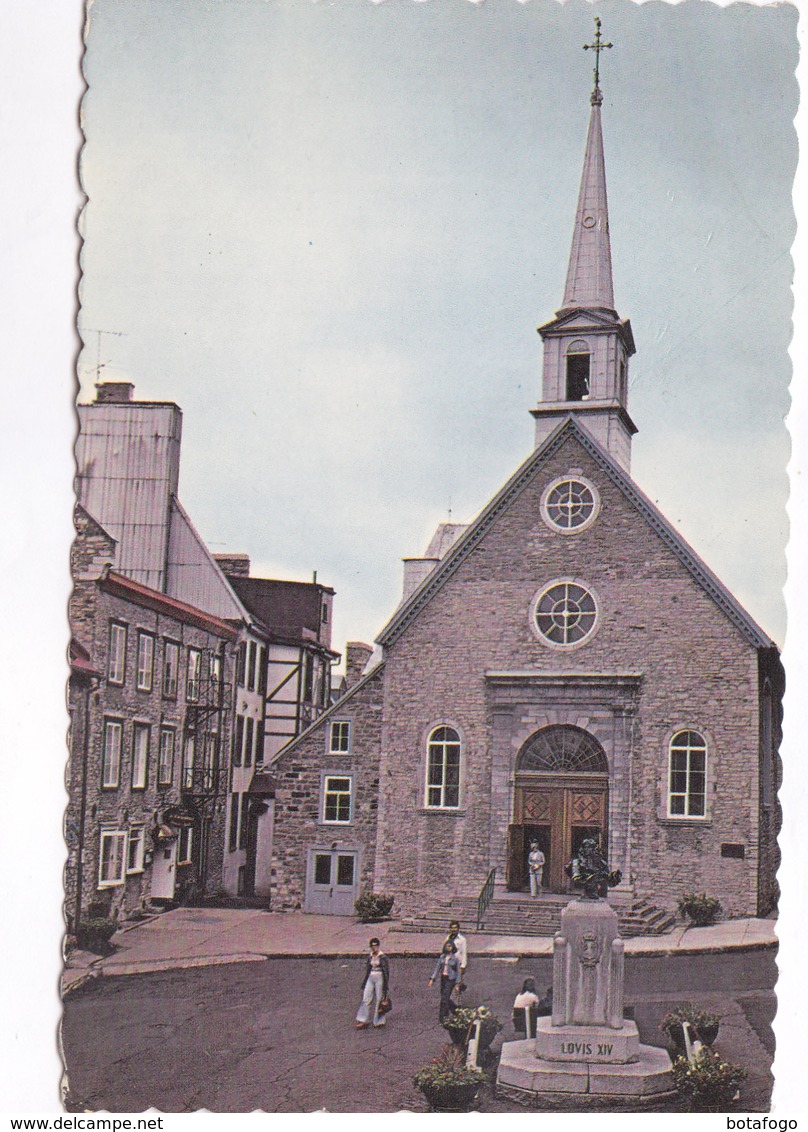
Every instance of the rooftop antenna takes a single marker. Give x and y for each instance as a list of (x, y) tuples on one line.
[(99, 365)]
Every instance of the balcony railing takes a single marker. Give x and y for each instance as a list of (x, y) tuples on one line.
[(202, 780)]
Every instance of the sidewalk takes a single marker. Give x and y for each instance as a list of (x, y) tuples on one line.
[(199, 937)]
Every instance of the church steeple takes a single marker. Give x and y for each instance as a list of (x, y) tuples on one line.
[(587, 346)]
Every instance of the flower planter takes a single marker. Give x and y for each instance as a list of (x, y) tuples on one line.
[(450, 1098), (706, 1034)]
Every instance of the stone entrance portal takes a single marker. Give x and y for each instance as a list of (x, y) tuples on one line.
[(561, 796)]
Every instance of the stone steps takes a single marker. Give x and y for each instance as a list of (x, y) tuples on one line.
[(534, 917)]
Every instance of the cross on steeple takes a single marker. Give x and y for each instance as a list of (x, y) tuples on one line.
[(597, 98)]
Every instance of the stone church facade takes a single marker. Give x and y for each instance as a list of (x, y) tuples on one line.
[(564, 667)]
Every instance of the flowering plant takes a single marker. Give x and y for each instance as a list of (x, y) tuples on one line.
[(709, 1083), (703, 1023), (460, 1021), (446, 1070), (700, 909)]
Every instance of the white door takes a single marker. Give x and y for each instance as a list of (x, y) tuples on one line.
[(164, 871), (333, 882)]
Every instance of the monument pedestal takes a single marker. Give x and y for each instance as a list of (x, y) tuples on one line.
[(587, 1048)]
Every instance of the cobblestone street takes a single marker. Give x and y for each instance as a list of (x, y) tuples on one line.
[(279, 1035)]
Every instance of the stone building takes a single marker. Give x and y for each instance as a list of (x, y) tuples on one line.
[(150, 699), (565, 666)]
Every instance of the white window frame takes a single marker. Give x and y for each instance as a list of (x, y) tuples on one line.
[(116, 656), (435, 794), (140, 758), (137, 841), (111, 755), (594, 614), (339, 795), (170, 672), (193, 671), (186, 836), (144, 678), (161, 762), (118, 836), (572, 477), (336, 741), (690, 749)]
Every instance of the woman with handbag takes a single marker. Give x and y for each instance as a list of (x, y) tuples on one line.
[(374, 988)]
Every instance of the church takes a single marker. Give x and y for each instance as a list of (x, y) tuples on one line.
[(563, 667)]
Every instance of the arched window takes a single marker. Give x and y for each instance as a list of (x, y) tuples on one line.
[(560, 749), (443, 769), (578, 363), (687, 776)]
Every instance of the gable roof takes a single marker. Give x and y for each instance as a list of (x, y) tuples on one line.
[(571, 427), (335, 709)]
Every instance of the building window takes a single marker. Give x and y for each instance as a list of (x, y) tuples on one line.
[(140, 755), (188, 758), (251, 666), (443, 769), (337, 799), (687, 792), (171, 660), (324, 613), (145, 661), (249, 740), (238, 741), (261, 674), (134, 849), (215, 668), (578, 376), (232, 841), (185, 845), (340, 737), (192, 678), (111, 858), (111, 768), (165, 765), (570, 505), (241, 664), (116, 663), (565, 614)]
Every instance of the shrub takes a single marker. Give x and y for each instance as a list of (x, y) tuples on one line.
[(709, 1083), (373, 906), (700, 908), (94, 933), (702, 1022)]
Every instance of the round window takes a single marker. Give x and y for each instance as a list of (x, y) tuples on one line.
[(570, 505), (565, 614)]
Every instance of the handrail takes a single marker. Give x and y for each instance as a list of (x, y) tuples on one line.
[(485, 897)]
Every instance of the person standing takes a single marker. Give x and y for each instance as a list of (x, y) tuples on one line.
[(535, 868), (462, 954), (374, 987), (448, 968)]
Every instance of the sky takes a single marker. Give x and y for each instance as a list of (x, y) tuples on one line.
[(329, 232)]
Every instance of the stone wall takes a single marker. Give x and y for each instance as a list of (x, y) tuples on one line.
[(298, 773), (698, 672)]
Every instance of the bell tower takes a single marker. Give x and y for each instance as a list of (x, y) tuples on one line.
[(587, 345)]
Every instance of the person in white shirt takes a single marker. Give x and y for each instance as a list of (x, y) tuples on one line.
[(525, 1009), (535, 868), (462, 950)]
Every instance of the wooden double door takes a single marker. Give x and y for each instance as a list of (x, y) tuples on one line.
[(558, 812)]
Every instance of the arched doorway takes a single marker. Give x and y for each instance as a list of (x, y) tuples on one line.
[(561, 797)]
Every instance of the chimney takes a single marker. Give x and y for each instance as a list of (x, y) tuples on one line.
[(114, 392), (234, 565), (357, 654), (415, 570)]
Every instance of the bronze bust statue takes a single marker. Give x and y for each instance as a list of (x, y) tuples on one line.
[(590, 871)]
